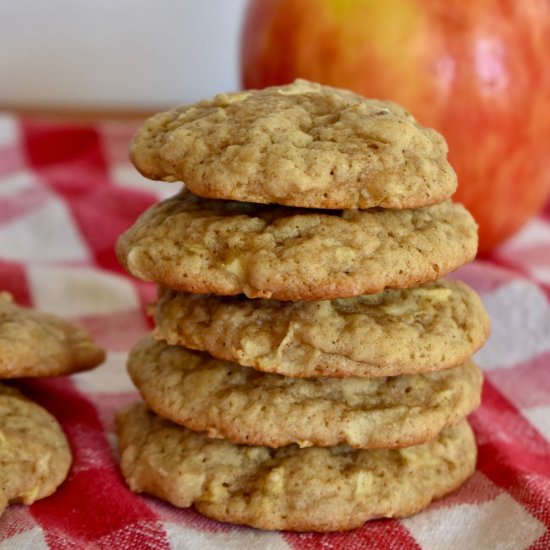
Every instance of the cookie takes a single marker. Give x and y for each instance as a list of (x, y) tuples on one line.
[(202, 246), (245, 406), (34, 453), (425, 328), (34, 343), (302, 144), (312, 489)]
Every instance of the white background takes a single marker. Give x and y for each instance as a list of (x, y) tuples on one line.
[(117, 53)]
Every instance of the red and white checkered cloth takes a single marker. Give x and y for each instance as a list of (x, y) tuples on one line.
[(66, 193)]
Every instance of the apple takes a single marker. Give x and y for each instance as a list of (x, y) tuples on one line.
[(479, 72)]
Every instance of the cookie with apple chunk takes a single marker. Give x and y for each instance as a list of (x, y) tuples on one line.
[(425, 328), (201, 245), (312, 489), (302, 144), (242, 405)]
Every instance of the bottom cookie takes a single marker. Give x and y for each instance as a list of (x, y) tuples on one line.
[(34, 453), (310, 489)]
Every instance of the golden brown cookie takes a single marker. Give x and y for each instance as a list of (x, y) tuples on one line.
[(201, 246), (302, 144), (34, 343), (312, 489), (425, 328), (245, 406), (34, 452)]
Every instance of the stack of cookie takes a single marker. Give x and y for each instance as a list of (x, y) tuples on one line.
[(309, 369), (34, 453)]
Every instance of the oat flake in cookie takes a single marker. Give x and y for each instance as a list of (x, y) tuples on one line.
[(225, 247), (311, 489), (302, 144)]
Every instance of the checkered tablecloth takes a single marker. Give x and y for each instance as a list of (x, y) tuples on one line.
[(66, 193)]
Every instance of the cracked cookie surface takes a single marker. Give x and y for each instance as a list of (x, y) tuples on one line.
[(225, 247), (301, 144), (225, 400), (311, 489)]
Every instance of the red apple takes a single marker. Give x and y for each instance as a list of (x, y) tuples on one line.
[(479, 72)]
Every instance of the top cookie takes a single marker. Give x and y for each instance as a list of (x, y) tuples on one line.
[(302, 144), (34, 343)]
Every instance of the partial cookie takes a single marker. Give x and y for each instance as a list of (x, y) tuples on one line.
[(34, 453), (227, 248), (245, 406), (34, 343), (302, 144), (424, 328), (313, 489)]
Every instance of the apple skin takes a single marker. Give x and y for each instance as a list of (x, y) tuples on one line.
[(479, 72)]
